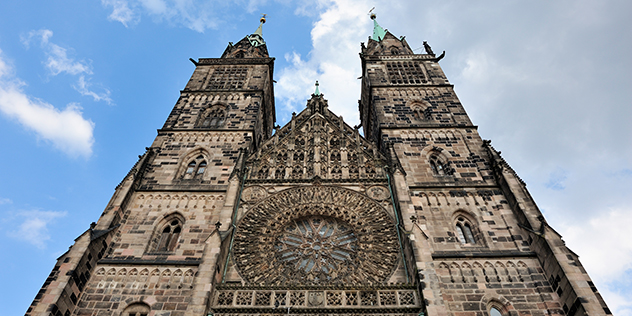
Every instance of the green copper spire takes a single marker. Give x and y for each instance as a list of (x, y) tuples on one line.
[(378, 31), (317, 92), (256, 38)]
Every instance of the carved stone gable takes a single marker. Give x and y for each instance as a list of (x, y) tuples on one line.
[(316, 143)]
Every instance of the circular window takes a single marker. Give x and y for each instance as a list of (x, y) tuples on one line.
[(316, 235), (317, 246)]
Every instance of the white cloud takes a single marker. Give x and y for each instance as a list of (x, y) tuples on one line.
[(57, 60), (66, 129), (34, 228), (121, 12), (83, 88), (333, 61), (608, 251), (5, 201)]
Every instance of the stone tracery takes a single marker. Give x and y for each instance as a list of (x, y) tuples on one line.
[(316, 235)]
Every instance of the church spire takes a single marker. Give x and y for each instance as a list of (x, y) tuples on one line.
[(317, 92), (256, 38), (378, 31)]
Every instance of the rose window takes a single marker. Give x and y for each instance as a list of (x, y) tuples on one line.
[(316, 246), (316, 235)]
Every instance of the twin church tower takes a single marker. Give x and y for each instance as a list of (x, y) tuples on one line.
[(228, 214)]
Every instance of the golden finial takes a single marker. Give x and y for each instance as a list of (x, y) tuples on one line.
[(371, 14), (263, 18)]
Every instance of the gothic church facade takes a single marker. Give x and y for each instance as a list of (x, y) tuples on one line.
[(228, 214)]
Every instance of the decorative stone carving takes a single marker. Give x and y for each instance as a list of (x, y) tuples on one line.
[(378, 193), (316, 235), (316, 298), (253, 193)]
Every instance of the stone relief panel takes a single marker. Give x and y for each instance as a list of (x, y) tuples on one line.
[(312, 145), (253, 194), (316, 235), (378, 193)]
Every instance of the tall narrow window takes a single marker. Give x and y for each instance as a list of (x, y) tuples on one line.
[(439, 167), (169, 236), (468, 233), (464, 231), (191, 167), (459, 231), (201, 168)]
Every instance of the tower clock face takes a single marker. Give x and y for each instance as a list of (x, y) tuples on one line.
[(316, 235)]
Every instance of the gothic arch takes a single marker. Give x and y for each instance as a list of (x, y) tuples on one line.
[(466, 228), (166, 233), (193, 156), (438, 161), (422, 110), (136, 309), (213, 116), (499, 302)]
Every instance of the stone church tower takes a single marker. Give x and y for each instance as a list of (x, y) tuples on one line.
[(228, 214)]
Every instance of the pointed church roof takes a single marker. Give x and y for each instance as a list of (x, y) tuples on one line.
[(384, 42), (256, 38), (378, 31), (317, 92), (250, 46)]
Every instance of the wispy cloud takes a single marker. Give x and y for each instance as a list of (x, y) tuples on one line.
[(58, 61), (5, 201), (82, 87), (33, 228), (336, 38), (66, 129), (121, 12)]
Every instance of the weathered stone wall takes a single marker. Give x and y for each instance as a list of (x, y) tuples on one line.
[(167, 290), (176, 150), (140, 224)]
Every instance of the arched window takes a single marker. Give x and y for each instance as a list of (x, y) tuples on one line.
[(214, 117), (196, 168), (394, 51), (167, 234), (464, 231), (438, 166), (136, 309)]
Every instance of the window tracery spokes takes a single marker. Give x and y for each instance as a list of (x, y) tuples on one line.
[(317, 247)]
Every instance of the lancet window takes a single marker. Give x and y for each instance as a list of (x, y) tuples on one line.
[(167, 235), (464, 231), (438, 166), (196, 168)]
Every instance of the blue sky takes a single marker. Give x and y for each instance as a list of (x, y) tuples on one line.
[(85, 84)]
